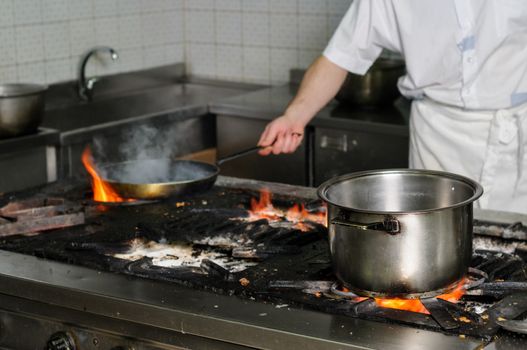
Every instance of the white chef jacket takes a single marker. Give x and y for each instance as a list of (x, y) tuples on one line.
[(466, 64)]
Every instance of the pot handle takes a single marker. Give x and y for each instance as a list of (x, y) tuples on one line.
[(391, 225)]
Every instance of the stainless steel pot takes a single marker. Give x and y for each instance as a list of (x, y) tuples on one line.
[(21, 108), (377, 87), (405, 233)]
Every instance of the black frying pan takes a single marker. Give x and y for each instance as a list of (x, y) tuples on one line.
[(149, 179)]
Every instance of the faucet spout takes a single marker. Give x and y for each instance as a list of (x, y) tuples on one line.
[(85, 86)]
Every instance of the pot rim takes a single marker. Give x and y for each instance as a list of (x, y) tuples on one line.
[(21, 89), (323, 188)]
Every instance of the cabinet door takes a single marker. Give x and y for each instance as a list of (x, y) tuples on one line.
[(236, 134), (25, 169), (339, 152)]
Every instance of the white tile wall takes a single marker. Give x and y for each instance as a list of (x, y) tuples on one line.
[(228, 5), (106, 8), (255, 5), (282, 60), (27, 11), (58, 70), (78, 9), (283, 6), (54, 44), (106, 31), (199, 4), (55, 10), (7, 47), (42, 40), (312, 31), (229, 28), (153, 28), (316, 7), (276, 35), (8, 73), (202, 59), (29, 44), (284, 30), (256, 64), (199, 26), (255, 29), (33, 72), (6, 15), (244, 40), (174, 53), (175, 27), (229, 62), (154, 56), (130, 32)]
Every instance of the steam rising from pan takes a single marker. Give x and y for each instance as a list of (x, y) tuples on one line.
[(154, 171), (145, 153)]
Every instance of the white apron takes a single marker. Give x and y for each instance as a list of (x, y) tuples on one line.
[(486, 146)]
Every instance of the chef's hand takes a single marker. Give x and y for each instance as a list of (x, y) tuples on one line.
[(282, 135)]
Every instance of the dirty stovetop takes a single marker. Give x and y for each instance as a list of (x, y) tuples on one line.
[(240, 242)]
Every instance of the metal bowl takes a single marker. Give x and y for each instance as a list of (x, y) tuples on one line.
[(21, 108), (377, 87)]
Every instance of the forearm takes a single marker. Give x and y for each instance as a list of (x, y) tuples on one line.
[(320, 84)]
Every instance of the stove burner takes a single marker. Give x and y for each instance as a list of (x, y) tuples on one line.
[(34, 215), (422, 295), (338, 290), (475, 278)]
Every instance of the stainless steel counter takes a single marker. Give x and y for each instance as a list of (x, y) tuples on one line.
[(197, 313), (162, 98), (43, 137), (268, 103)]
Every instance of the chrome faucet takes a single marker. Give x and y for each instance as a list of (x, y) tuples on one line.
[(85, 86)]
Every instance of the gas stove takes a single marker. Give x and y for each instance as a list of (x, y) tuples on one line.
[(244, 265)]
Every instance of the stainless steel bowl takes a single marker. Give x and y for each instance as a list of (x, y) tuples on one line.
[(377, 87), (21, 108)]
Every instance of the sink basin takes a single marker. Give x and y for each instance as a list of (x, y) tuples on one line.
[(136, 104)]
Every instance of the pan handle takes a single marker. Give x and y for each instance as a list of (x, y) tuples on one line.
[(391, 225), (238, 154), (245, 152)]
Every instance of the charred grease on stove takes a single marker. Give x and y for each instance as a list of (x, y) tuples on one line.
[(308, 269)]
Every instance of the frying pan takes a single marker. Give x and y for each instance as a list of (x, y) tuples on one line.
[(150, 179)]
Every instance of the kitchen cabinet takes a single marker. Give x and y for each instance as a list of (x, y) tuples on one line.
[(324, 153), (340, 139), (29, 160), (338, 152), (235, 134)]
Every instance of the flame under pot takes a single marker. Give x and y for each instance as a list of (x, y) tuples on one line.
[(400, 233)]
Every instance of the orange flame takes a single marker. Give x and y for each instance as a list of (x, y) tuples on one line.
[(102, 191), (264, 209), (415, 305)]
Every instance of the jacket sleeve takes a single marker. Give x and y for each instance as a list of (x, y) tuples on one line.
[(367, 27)]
